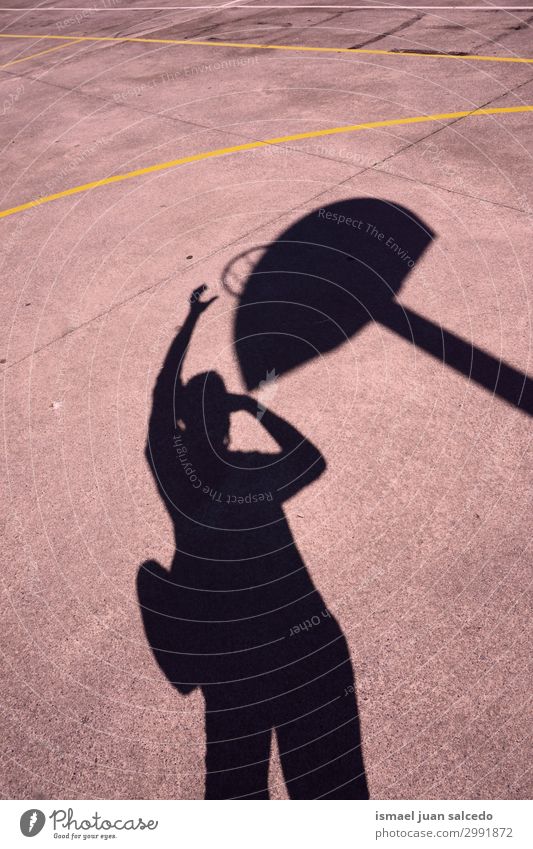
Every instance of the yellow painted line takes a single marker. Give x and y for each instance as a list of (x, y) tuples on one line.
[(297, 47), (223, 151), (42, 53)]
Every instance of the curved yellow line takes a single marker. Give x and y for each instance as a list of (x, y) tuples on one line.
[(297, 47), (223, 151)]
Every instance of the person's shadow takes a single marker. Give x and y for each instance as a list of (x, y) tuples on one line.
[(237, 614)]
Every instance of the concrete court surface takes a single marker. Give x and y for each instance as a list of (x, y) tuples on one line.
[(418, 534)]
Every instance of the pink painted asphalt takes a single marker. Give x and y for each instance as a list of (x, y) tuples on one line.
[(417, 534)]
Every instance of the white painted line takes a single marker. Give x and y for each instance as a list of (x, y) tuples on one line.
[(259, 7)]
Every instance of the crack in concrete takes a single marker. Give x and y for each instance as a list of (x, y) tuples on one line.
[(375, 166), (236, 135), (499, 204), (455, 121)]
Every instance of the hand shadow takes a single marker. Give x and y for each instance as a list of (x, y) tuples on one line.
[(238, 615)]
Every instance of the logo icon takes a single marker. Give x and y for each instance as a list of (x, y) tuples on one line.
[(31, 822), (267, 391)]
